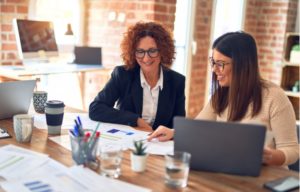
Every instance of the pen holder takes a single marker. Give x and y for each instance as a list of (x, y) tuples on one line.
[(84, 154)]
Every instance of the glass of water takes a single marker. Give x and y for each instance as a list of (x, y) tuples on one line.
[(110, 160), (177, 168)]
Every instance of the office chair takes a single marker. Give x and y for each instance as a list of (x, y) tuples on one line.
[(295, 166)]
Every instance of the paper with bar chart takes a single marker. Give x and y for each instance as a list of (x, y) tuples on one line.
[(75, 179), (110, 133), (16, 165)]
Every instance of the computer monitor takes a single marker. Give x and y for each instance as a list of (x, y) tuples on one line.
[(34, 36)]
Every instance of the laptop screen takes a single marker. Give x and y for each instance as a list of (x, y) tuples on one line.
[(88, 55)]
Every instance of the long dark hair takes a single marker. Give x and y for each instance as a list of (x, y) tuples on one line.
[(246, 86)]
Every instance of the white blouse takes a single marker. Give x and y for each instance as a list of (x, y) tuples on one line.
[(150, 98)]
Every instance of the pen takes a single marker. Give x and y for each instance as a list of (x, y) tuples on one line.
[(94, 142), (80, 126), (76, 132), (83, 145), (94, 133), (86, 137)]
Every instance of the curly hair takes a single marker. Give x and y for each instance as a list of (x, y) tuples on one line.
[(161, 35)]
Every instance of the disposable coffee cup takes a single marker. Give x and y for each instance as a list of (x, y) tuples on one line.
[(54, 111)]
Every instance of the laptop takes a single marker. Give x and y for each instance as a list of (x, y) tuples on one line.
[(223, 147), (15, 97), (87, 56)]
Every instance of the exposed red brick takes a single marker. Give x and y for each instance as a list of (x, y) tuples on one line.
[(22, 9), (160, 8), (130, 15), (6, 27), (280, 5), (273, 58), (7, 8), (172, 9), (144, 7), (97, 5), (11, 56), (3, 37), (131, 6), (9, 46), (6, 63), (170, 1), (12, 37), (19, 63), (116, 5), (270, 11)]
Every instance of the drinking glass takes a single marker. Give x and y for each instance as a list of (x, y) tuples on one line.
[(110, 160), (177, 168)]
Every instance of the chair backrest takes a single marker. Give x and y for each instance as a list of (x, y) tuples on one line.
[(295, 166)]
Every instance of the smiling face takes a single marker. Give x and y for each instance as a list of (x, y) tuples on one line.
[(148, 64), (224, 77)]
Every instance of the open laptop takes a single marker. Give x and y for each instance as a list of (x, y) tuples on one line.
[(87, 56), (223, 147), (15, 97)]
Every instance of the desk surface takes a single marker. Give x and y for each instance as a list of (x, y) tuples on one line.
[(153, 177), (46, 69)]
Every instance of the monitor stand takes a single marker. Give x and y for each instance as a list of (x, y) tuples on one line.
[(35, 61)]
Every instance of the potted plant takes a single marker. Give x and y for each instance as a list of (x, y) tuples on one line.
[(139, 157)]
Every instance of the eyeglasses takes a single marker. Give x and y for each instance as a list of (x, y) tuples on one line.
[(140, 54), (220, 66)]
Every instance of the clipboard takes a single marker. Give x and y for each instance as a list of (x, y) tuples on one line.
[(4, 134)]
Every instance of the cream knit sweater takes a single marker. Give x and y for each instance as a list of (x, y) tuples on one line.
[(276, 114)]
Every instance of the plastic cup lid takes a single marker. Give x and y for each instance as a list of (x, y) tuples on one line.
[(54, 104)]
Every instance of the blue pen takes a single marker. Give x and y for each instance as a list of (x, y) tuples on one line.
[(76, 131), (79, 121), (81, 131)]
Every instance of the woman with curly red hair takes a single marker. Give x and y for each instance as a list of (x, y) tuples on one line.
[(147, 91)]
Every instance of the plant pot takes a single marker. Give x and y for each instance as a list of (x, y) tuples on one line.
[(138, 162)]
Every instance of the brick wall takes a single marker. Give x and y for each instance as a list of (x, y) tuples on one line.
[(268, 21), (8, 48), (100, 31), (199, 60)]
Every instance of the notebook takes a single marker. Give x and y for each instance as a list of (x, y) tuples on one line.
[(4, 133)]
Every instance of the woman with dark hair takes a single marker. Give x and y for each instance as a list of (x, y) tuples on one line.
[(147, 91), (240, 94)]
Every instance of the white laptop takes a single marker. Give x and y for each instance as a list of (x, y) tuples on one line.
[(15, 97)]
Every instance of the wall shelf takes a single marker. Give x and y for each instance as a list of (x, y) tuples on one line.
[(290, 72), (292, 94)]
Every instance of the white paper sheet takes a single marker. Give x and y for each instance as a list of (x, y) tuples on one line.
[(110, 133), (156, 147), (15, 165), (13, 148), (268, 138), (73, 179), (50, 166)]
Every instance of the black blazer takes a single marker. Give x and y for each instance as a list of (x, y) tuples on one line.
[(125, 87)]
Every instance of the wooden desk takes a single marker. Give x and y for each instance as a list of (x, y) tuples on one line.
[(153, 177)]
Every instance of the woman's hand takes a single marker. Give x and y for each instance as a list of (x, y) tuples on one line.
[(162, 133), (142, 124), (267, 156)]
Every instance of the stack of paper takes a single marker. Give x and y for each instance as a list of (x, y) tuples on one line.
[(25, 170), (74, 179), (17, 162)]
